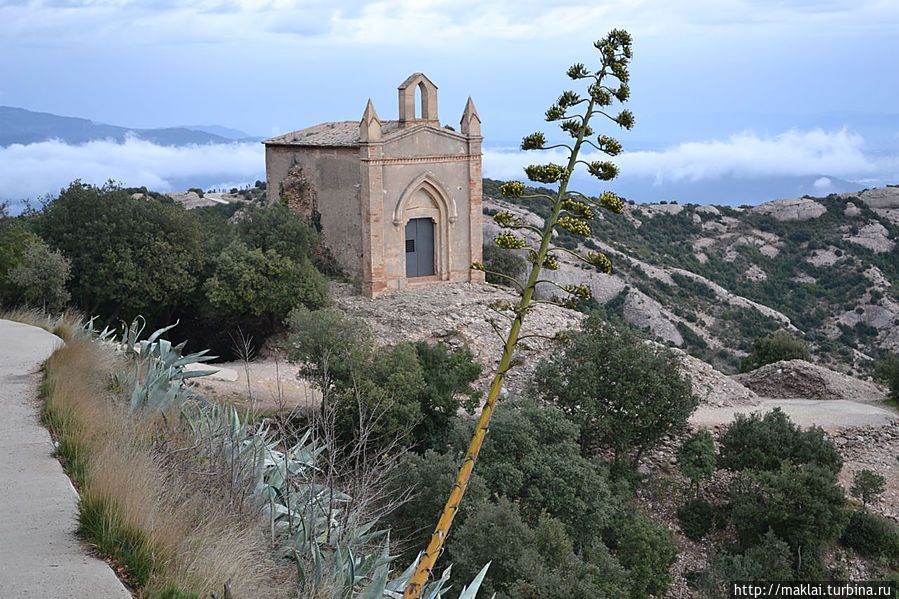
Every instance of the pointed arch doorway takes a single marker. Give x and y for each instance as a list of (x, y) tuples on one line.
[(420, 248)]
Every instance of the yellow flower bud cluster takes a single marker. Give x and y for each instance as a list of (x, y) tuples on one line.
[(509, 241), (600, 261), (582, 292), (605, 171), (569, 302), (609, 145), (546, 173), (578, 71), (611, 202), (478, 266), (534, 141), (577, 209), (512, 189), (506, 219), (575, 226)]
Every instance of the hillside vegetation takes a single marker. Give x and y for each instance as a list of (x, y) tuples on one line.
[(712, 279)]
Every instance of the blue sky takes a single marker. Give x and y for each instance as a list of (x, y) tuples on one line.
[(775, 97)]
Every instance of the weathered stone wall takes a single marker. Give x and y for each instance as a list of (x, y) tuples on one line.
[(334, 174)]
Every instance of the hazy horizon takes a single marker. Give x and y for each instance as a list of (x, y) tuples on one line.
[(751, 100)]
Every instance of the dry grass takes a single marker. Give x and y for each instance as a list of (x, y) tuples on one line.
[(161, 519), (62, 325)]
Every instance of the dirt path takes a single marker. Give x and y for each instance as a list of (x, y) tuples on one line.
[(828, 414), (39, 553)]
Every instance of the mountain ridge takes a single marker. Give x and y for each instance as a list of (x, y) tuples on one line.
[(22, 126)]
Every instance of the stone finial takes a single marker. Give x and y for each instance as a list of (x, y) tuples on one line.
[(471, 122), (370, 127), (428, 98)]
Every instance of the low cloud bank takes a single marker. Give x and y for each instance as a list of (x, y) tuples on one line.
[(742, 156), (34, 170)]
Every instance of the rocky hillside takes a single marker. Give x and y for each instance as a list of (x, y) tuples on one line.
[(710, 279)]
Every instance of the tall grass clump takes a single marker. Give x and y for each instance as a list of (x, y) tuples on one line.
[(147, 502), (62, 325)]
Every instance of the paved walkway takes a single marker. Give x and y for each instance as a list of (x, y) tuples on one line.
[(40, 556)]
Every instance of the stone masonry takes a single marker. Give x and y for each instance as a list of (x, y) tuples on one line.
[(368, 179)]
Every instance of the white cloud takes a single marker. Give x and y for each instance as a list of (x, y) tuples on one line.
[(744, 155), (31, 171), (415, 22), (822, 183)]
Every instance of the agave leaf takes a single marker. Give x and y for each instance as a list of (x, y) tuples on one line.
[(377, 588), (153, 337), (470, 591)]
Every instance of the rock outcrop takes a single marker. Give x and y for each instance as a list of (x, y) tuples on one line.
[(798, 379), (794, 209)]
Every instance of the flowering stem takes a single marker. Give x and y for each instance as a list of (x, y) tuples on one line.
[(426, 565)]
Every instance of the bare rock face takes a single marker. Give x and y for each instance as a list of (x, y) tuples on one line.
[(851, 210), (712, 387), (873, 236), (826, 257), (455, 314), (798, 379), (882, 197), (643, 311), (794, 209), (884, 201)]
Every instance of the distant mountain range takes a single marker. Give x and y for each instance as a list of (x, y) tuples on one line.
[(20, 126)]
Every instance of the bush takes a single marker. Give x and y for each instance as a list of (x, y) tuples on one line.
[(697, 517), (764, 442), (871, 535), (532, 455), (867, 486), (534, 561), (41, 277), (428, 476), (770, 559), (624, 394), (250, 281), (804, 505), (774, 348), (697, 457), (886, 370), (647, 551), (504, 262)]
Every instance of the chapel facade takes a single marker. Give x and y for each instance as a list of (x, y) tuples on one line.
[(399, 201)]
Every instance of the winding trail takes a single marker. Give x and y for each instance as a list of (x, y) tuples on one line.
[(40, 555)]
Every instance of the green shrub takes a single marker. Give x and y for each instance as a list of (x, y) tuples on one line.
[(774, 348), (646, 550), (764, 442), (697, 517), (624, 395), (532, 455), (696, 457), (871, 535), (804, 505), (428, 476), (867, 486), (886, 370), (534, 561), (504, 262)]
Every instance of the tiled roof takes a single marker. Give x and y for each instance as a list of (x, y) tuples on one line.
[(344, 133)]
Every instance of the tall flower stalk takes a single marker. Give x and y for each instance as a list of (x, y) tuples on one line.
[(571, 210)]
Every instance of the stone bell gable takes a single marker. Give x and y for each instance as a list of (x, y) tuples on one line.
[(399, 201)]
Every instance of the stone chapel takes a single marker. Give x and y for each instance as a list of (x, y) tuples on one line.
[(399, 202)]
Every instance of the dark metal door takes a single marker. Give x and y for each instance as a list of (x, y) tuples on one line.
[(419, 247)]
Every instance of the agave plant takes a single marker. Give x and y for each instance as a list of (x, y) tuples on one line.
[(157, 380)]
